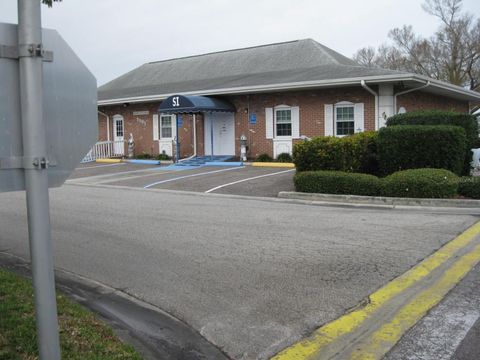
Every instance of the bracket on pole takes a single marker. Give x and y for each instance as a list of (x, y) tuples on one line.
[(19, 162), (26, 50)]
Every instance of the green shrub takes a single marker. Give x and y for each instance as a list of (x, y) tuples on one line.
[(163, 157), (264, 158), (355, 153), (421, 183), (143, 156), (337, 182), (438, 117), (405, 147), (469, 186), (284, 157)]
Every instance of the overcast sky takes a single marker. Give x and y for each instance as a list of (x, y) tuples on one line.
[(114, 36)]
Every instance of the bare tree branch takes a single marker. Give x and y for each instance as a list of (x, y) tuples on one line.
[(451, 54), (49, 3)]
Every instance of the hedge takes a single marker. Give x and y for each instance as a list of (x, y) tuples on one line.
[(469, 187), (284, 157), (405, 147), (264, 158), (421, 183), (438, 117), (337, 182), (414, 183), (355, 153)]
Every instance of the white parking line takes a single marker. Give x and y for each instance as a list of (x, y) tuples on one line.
[(99, 166), (252, 178), (192, 175)]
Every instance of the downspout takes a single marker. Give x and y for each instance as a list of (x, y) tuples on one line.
[(406, 92), (108, 123), (370, 90)]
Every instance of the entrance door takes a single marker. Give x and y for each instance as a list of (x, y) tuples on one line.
[(118, 138), (223, 133)]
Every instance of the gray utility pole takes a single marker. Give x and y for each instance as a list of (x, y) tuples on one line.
[(35, 163)]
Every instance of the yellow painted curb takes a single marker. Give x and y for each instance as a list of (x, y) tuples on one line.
[(273, 164), (327, 334), (109, 161), (381, 341)]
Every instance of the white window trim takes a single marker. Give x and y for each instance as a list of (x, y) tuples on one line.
[(160, 127), (275, 109), (118, 117), (342, 104)]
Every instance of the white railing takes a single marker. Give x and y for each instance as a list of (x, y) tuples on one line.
[(105, 150)]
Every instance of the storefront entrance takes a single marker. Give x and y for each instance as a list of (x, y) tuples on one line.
[(222, 127)]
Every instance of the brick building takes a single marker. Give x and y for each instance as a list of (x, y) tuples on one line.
[(272, 95)]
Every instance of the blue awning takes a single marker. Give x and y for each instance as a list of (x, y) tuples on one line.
[(193, 104)]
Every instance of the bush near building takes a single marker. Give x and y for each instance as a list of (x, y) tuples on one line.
[(405, 147), (337, 182), (438, 117), (264, 158), (284, 157), (469, 187), (354, 153), (414, 183), (419, 152), (421, 183)]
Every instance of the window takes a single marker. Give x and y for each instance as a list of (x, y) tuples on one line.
[(283, 122), (118, 126), (166, 126), (344, 120)]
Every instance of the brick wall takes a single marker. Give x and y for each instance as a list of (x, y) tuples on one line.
[(141, 126), (311, 104), (102, 128), (418, 100)]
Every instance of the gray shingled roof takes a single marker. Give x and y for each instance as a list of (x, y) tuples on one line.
[(288, 62)]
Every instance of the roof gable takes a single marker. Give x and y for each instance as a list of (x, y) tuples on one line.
[(282, 66), (287, 56)]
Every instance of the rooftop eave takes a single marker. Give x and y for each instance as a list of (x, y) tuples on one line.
[(467, 94)]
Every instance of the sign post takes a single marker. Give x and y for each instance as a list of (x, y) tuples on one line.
[(36, 162)]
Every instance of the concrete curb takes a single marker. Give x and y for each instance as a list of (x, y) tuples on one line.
[(379, 200), (154, 333), (108, 161), (224, 163), (141, 161), (273, 164)]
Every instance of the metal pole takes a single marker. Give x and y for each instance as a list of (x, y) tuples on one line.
[(36, 177), (177, 148), (211, 136)]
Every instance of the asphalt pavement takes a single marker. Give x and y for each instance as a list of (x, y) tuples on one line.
[(239, 180), (450, 331), (252, 275)]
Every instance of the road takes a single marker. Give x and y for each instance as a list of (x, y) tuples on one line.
[(450, 331), (252, 275)]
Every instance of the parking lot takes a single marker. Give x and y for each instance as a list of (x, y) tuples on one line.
[(238, 180)]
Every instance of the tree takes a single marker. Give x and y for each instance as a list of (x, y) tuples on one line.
[(452, 54), (49, 2)]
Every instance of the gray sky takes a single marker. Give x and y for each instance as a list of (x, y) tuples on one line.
[(113, 36)]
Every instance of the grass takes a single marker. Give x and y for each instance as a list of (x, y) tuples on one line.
[(82, 335)]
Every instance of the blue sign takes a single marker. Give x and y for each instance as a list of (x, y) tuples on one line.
[(179, 120), (253, 119)]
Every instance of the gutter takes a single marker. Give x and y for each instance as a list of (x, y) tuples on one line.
[(261, 88), (297, 86), (108, 123), (370, 90), (427, 84)]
